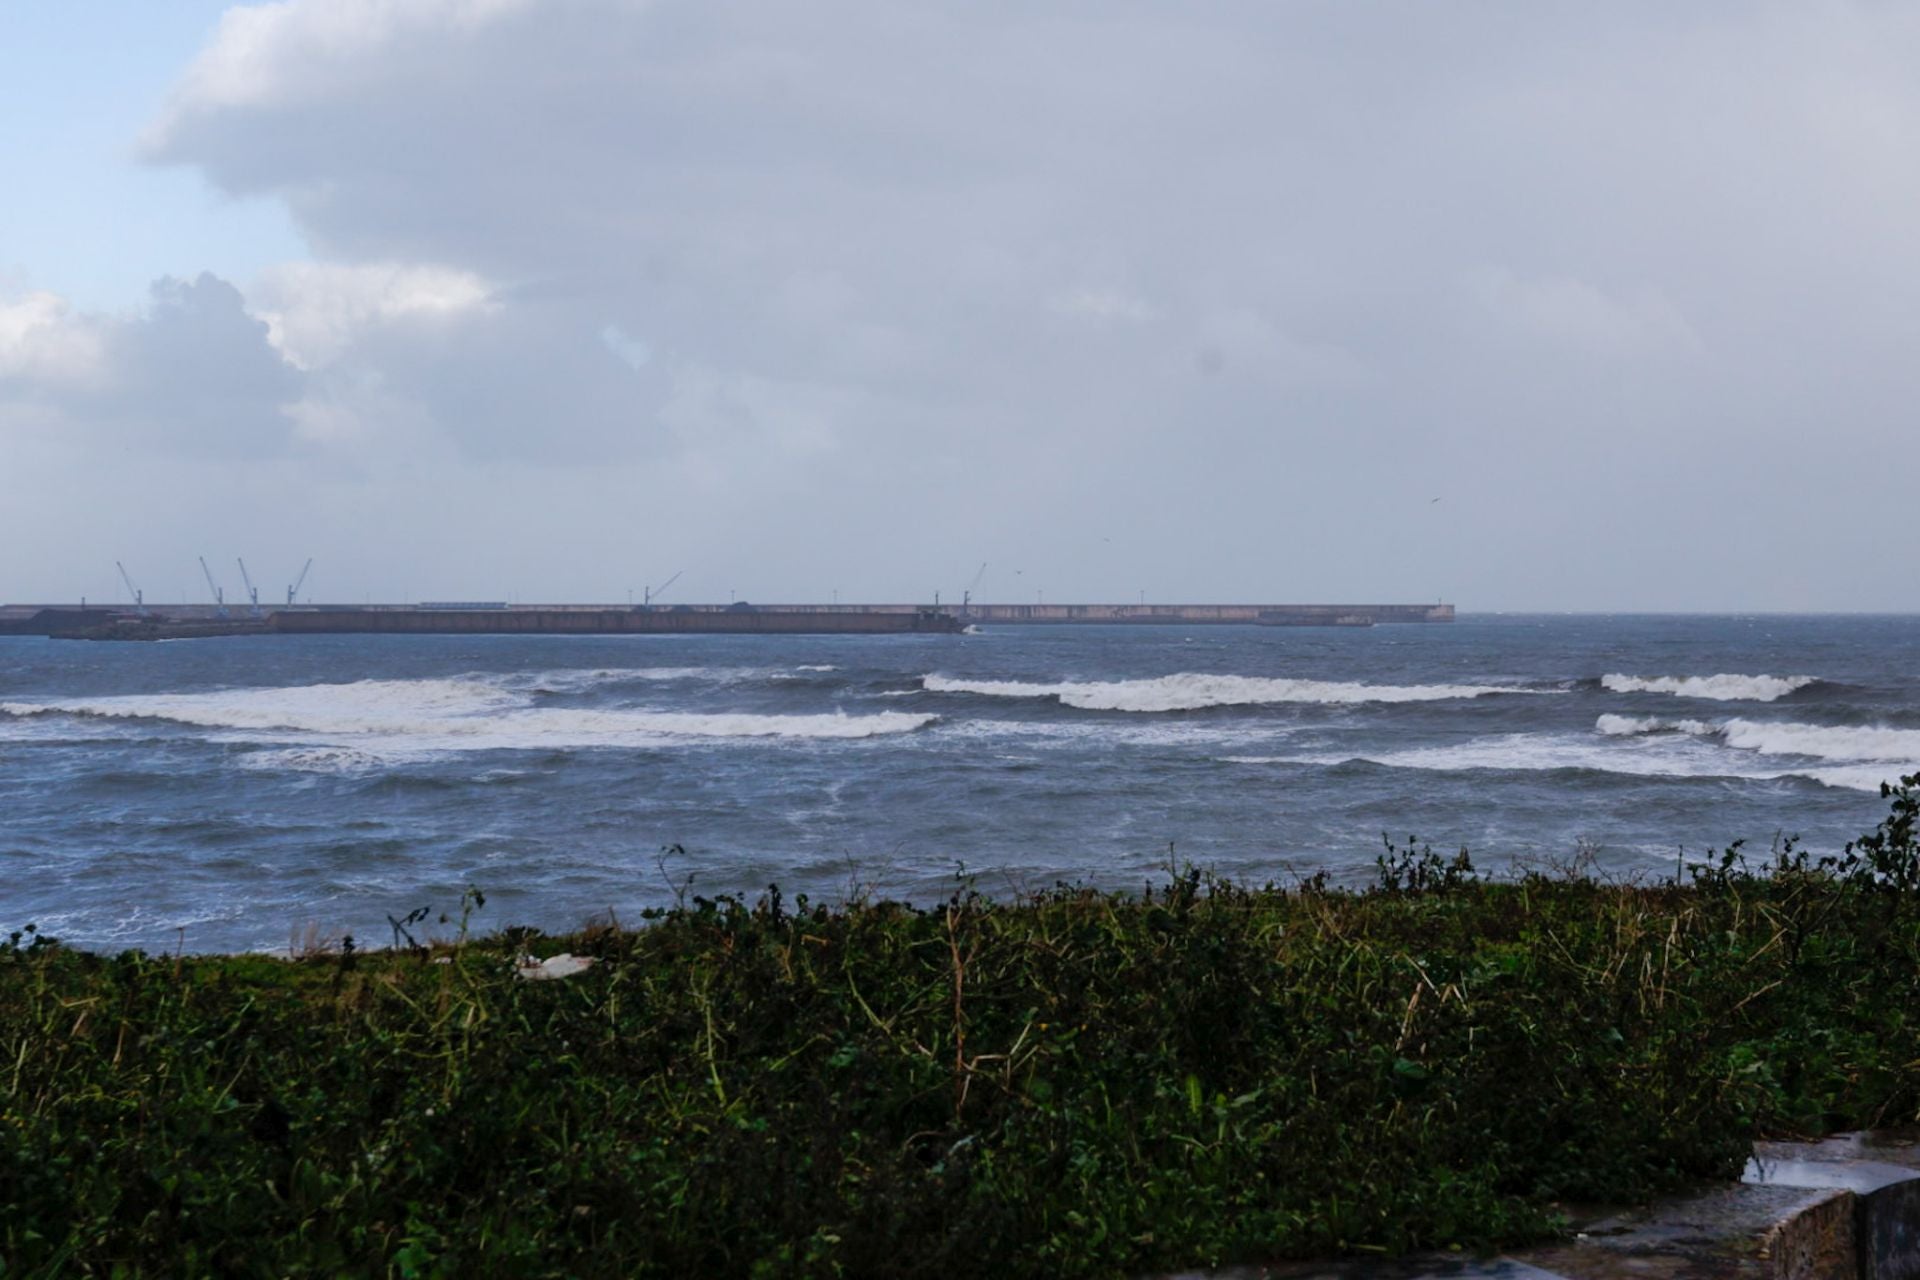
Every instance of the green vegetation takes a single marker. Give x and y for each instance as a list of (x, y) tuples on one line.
[(1077, 1083)]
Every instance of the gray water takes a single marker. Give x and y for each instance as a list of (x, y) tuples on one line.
[(225, 793)]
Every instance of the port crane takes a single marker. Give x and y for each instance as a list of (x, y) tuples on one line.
[(253, 592), (298, 582), (139, 600), (966, 597), (648, 593), (219, 594)]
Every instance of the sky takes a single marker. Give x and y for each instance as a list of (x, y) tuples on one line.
[(1521, 306)]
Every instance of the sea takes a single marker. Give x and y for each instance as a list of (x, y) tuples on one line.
[(261, 792)]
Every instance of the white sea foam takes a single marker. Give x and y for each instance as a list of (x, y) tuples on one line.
[(1102, 735), (1717, 688), (1191, 691), (1528, 752), (362, 707), (586, 728), (1859, 757), (1638, 726), (1826, 742), (579, 680), (20, 722), (392, 718), (339, 760), (1664, 749), (824, 666), (1859, 777), (1860, 743)]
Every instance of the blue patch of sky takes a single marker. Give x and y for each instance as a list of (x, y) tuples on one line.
[(635, 353), (81, 215)]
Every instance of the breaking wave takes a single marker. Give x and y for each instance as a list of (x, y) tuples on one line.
[(1717, 688), (361, 707), (414, 716), (1857, 757), (588, 679), (1640, 726), (1530, 753), (1777, 738), (1190, 691), (581, 680), (1853, 777)]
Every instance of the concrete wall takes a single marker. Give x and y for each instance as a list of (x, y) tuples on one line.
[(1190, 614), (739, 617), (536, 621)]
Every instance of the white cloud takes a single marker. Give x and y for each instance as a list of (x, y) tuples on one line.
[(191, 373), (314, 311), (267, 54), (43, 342)]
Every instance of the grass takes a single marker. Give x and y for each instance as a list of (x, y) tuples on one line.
[(1074, 1084)]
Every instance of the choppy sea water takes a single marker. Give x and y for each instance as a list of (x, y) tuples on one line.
[(223, 794)]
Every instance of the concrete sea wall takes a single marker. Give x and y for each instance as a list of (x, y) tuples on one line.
[(737, 618)]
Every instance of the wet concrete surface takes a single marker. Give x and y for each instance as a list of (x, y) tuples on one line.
[(1882, 1170), (1843, 1208), (1732, 1231), (1409, 1269)]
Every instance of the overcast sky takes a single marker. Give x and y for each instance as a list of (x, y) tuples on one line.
[(1535, 305)]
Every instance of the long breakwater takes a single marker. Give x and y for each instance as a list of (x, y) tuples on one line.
[(739, 618)]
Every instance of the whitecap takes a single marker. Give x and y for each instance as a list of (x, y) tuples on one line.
[(1527, 752), (361, 707), (1192, 691), (1827, 742), (1717, 688), (1636, 726), (1859, 757), (335, 760), (1643, 748), (1860, 743), (580, 680), (1151, 734), (390, 717)]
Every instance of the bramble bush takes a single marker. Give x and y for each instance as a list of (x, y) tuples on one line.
[(1077, 1083)]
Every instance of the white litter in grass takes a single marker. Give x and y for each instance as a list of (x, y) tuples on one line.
[(564, 965)]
